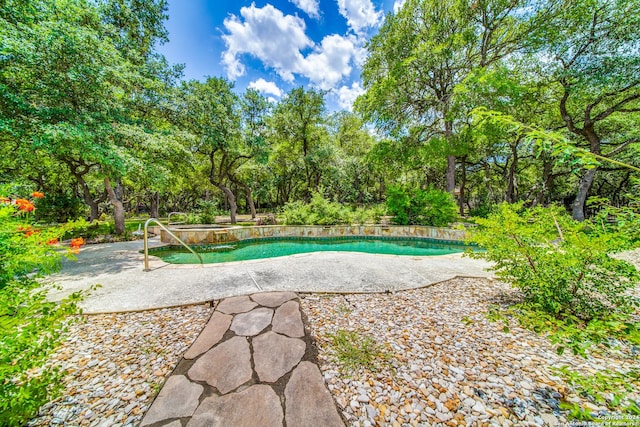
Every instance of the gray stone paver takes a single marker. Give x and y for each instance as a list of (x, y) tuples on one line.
[(309, 403), (236, 305), (226, 366), (273, 299), (253, 322), (211, 335), (287, 320), (274, 355), (222, 386), (178, 398), (258, 405)]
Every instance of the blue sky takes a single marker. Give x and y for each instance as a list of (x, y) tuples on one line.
[(276, 45)]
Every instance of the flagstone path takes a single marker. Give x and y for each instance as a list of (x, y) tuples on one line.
[(252, 365)]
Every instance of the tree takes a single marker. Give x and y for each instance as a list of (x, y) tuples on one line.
[(421, 56), (592, 50), (211, 112), (298, 124), (73, 76)]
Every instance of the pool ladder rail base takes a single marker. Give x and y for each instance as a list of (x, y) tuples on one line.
[(146, 242)]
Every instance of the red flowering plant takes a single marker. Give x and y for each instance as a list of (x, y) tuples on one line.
[(31, 326)]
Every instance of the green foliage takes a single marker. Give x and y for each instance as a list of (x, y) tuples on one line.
[(321, 211), (562, 266), (58, 208), (31, 327), (571, 332), (606, 387), (354, 351), (296, 213), (482, 211), (207, 211), (421, 207)]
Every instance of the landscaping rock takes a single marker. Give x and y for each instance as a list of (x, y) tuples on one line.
[(210, 336), (288, 321), (253, 322), (274, 355), (226, 366)]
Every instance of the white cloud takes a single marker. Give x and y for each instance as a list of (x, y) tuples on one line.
[(264, 86), (360, 14), (279, 41), (310, 7), (347, 95), (267, 34), (397, 5), (330, 61)]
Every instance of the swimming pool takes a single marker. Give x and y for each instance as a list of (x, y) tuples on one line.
[(281, 246)]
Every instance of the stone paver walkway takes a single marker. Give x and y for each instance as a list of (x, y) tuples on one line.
[(252, 365)]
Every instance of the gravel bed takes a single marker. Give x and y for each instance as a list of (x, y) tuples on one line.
[(446, 363), (116, 363)]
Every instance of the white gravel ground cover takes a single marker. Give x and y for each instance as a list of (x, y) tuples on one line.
[(447, 364), (116, 363)]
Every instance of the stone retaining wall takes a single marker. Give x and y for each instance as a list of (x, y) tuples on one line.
[(223, 235)]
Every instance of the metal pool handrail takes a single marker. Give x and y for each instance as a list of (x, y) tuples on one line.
[(146, 242), (177, 222)]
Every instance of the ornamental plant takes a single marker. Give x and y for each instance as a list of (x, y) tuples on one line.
[(431, 207), (31, 327), (563, 267)]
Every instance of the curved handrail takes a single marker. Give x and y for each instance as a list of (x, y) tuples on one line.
[(176, 213), (146, 242)]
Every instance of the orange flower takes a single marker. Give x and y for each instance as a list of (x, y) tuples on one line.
[(37, 195), (24, 205), (29, 233), (52, 242), (76, 244), (5, 200)]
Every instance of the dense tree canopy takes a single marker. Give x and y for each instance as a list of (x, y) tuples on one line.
[(91, 112)]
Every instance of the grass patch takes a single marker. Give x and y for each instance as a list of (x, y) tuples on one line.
[(354, 351)]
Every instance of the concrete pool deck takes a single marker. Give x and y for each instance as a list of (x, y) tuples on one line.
[(124, 286)]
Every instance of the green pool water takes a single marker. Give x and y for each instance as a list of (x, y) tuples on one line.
[(270, 248)]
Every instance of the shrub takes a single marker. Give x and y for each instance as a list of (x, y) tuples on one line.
[(562, 266), (319, 211), (399, 205), (421, 207), (207, 211), (31, 326), (326, 212), (296, 213)]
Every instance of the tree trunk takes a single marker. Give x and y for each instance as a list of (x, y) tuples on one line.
[(463, 182), (88, 199), (231, 199), (154, 205), (510, 195), (451, 159), (252, 206), (583, 192), (547, 181), (115, 197), (451, 174)]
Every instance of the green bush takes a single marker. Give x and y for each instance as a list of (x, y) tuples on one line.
[(207, 211), (58, 208), (562, 266), (326, 212), (421, 207), (31, 326), (321, 211), (296, 213)]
